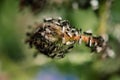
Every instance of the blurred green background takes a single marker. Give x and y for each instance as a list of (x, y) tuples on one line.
[(16, 58)]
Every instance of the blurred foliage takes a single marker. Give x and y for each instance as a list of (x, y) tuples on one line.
[(16, 59)]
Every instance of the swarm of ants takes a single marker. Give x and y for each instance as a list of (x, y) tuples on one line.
[(54, 37)]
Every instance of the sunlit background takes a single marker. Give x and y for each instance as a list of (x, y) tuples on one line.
[(16, 58)]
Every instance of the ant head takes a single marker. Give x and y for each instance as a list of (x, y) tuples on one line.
[(100, 41)]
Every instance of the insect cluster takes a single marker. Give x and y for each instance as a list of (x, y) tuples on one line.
[(54, 37)]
